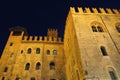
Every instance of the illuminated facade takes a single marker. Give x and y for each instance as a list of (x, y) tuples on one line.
[(90, 49)]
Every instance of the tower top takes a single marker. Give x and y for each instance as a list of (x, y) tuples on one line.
[(52, 33), (94, 10), (18, 29)]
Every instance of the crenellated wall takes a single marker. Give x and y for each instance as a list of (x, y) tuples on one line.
[(94, 10), (41, 39)]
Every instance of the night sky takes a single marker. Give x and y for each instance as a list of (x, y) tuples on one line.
[(39, 15)]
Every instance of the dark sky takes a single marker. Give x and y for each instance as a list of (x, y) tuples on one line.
[(39, 15)]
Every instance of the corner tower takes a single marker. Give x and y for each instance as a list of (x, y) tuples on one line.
[(93, 48)]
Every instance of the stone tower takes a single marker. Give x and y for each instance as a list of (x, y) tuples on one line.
[(93, 49), (32, 57)]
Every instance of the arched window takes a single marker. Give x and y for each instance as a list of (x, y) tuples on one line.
[(94, 29), (6, 69), (27, 66), (37, 50), (38, 66), (18, 78), (48, 52), (103, 50), (118, 28), (52, 66), (100, 29), (29, 50), (3, 78), (112, 74), (54, 52)]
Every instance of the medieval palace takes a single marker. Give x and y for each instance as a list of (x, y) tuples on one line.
[(90, 49)]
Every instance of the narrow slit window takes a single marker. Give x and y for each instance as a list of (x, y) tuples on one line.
[(11, 44), (103, 50)]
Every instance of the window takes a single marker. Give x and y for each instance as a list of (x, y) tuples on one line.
[(94, 29), (5, 70), (118, 28), (52, 66), (32, 78), (48, 52), (3, 78), (17, 79), (38, 66), (54, 52), (37, 50), (97, 29), (100, 29), (103, 50), (112, 75), (12, 55), (29, 50), (27, 66), (21, 51), (11, 44)]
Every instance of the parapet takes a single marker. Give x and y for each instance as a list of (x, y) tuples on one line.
[(41, 39), (94, 10)]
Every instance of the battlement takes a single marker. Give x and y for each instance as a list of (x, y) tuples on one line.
[(41, 39), (94, 10)]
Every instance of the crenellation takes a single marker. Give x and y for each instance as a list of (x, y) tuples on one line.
[(36, 38), (80, 10), (72, 9), (50, 39), (25, 38), (41, 38), (31, 38), (102, 10), (109, 10), (116, 11), (55, 39), (87, 10), (45, 38), (59, 39), (95, 10)]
